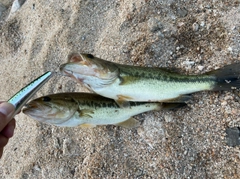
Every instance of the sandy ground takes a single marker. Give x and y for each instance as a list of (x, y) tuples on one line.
[(194, 36)]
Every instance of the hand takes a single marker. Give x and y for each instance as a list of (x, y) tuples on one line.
[(7, 124)]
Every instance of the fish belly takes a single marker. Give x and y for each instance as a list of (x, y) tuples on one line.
[(108, 116), (151, 90)]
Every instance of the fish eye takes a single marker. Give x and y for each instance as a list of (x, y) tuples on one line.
[(46, 99), (90, 56)]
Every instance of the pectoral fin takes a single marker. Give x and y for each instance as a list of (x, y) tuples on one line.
[(127, 80), (87, 125), (85, 113), (130, 123)]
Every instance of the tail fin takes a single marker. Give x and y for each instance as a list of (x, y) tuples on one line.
[(227, 78)]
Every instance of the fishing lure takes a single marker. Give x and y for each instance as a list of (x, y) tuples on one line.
[(23, 95)]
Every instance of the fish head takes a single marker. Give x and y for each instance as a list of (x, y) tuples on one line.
[(51, 109), (89, 70)]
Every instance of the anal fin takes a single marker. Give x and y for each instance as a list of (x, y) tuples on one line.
[(170, 106), (123, 101), (130, 123), (180, 99), (123, 104), (87, 125)]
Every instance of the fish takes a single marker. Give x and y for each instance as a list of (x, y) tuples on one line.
[(125, 83), (88, 110), (19, 99)]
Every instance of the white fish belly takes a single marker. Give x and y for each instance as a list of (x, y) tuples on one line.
[(152, 90), (105, 116), (118, 115)]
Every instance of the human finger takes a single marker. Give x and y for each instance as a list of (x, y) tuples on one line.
[(6, 109), (9, 129), (3, 140), (1, 101), (1, 151)]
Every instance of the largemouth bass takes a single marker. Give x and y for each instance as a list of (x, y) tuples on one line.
[(88, 110), (134, 83)]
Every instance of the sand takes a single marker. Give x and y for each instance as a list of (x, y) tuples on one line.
[(187, 143)]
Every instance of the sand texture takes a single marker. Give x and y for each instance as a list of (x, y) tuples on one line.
[(194, 36)]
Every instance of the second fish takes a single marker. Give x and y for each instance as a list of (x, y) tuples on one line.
[(135, 83), (88, 110)]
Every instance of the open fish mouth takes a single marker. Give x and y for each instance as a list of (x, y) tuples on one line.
[(77, 70), (34, 108), (65, 71), (29, 107)]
